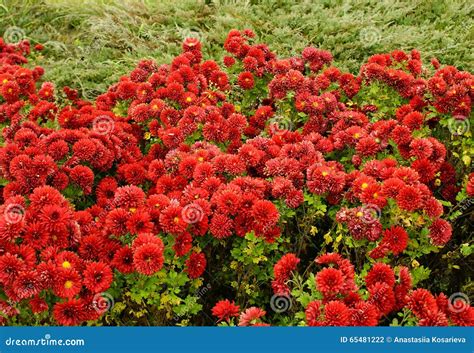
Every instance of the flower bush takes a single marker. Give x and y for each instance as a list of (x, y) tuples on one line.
[(263, 191)]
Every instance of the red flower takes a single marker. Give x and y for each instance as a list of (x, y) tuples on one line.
[(225, 310), (27, 284), (183, 244), (421, 301), (251, 316), (196, 264), (313, 313), (470, 185), (336, 313), (381, 296), (54, 218), (329, 281), (409, 198), (380, 272), (364, 314), (82, 176), (221, 226), (139, 222), (148, 258), (69, 313), (265, 213), (123, 260), (67, 283), (10, 267), (38, 305), (395, 239), (245, 80), (285, 266), (97, 277), (440, 232)]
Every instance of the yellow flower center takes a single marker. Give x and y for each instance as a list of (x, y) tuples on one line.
[(364, 185), (68, 284), (66, 264)]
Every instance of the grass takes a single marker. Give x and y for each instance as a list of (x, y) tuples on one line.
[(90, 44)]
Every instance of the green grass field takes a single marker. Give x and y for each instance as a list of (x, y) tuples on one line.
[(90, 44)]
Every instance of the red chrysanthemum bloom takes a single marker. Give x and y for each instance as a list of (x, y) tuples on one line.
[(421, 301), (38, 305), (313, 313), (69, 313), (229, 61), (251, 316), (84, 149), (129, 196), (123, 260), (54, 218), (336, 313), (225, 310), (245, 80), (380, 272), (364, 314), (148, 259), (83, 177), (395, 239), (116, 221), (67, 282), (183, 244), (10, 266), (145, 238), (27, 284), (409, 198), (196, 265), (221, 226), (97, 277), (470, 185), (381, 296), (440, 232), (265, 213), (433, 208), (329, 281), (139, 222)]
